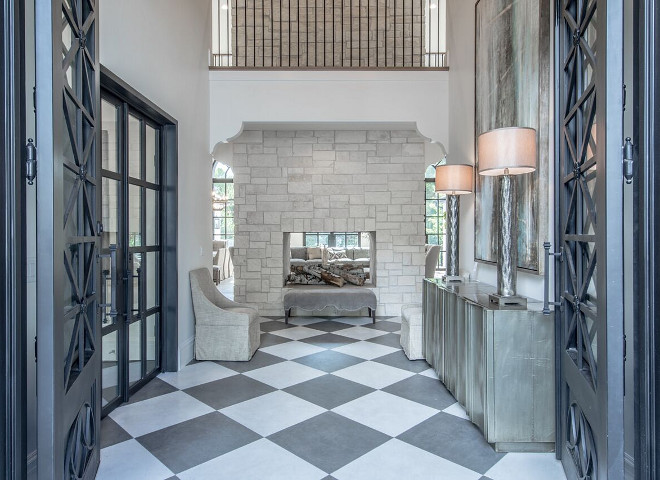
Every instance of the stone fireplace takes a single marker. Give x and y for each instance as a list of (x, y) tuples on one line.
[(329, 181)]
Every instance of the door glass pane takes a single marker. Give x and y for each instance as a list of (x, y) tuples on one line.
[(110, 374), (152, 139), (109, 151), (134, 216), (152, 342), (110, 212), (134, 168), (152, 279), (151, 215), (134, 352)]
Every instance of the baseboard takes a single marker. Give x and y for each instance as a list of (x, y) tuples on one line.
[(186, 352)]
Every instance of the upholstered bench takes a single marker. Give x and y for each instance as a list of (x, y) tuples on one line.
[(412, 329), (347, 299)]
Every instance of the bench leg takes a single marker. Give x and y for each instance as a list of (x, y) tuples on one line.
[(372, 314), (287, 312)]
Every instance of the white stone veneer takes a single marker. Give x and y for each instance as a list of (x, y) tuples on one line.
[(297, 181)]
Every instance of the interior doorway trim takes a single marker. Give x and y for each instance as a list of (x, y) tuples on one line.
[(12, 191), (169, 210)]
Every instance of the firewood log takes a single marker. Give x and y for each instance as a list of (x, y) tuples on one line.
[(332, 279)]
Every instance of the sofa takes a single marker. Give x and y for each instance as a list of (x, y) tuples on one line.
[(315, 256)]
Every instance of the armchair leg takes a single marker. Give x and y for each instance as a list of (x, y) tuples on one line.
[(287, 312), (372, 314)]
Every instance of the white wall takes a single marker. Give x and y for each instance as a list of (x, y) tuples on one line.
[(160, 47), (328, 96), (460, 45)]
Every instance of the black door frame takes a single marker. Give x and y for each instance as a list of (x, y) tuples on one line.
[(121, 90), (12, 192), (647, 232)]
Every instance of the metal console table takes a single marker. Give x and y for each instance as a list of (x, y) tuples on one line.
[(499, 364)]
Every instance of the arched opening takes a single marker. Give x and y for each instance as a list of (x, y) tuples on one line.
[(223, 222), (435, 217)]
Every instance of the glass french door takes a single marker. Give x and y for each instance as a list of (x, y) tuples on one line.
[(131, 250), (589, 179)]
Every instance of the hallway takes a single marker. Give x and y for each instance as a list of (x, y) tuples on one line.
[(322, 398)]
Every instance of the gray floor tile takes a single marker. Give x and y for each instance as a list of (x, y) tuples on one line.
[(112, 433), (329, 340), (268, 340), (389, 340), (154, 388), (454, 439), (330, 326), (399, 360), (485, 478), (329, 361), (329, 441), (173, 478), (424, 390), (385, 326), (274, 325), (329, 391), (258, 360), (228, 391), (187, 444)]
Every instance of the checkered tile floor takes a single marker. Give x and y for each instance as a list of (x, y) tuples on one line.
[(322, 398)]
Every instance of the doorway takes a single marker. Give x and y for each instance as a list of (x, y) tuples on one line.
[(133, 173)]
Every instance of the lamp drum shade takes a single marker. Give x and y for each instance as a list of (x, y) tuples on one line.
[(507, 151), (454, 179)]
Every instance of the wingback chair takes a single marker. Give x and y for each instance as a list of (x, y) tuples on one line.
[(432, 255), (224, 329)]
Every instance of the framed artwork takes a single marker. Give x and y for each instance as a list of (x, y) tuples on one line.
[(512, 68)]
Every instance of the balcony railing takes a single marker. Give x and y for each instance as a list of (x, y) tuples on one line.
[(329, 34)]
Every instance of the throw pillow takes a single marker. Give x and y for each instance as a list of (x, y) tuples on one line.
[(314, 254), (336, 254), (298, 253)]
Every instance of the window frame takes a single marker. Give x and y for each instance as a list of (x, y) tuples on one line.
[(441, 232), (222, 214)]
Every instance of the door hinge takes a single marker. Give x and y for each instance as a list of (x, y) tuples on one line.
[(30, 161), (99, 228), (628, 162)]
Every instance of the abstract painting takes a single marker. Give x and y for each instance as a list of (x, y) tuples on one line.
[(512, 89)]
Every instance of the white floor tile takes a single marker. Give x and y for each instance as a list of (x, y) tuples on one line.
[(386, 413), (396, 460), (272, 412), (360, 333), (366, 350), (196, 374), (301, 321), (298, 333), (457, 410), (261, 460), (372, 374), (523, 466), (291, 350), (430, 373), (159, 412), (130, 461), (284, 374)]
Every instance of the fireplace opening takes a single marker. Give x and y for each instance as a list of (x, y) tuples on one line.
[(334, 259)]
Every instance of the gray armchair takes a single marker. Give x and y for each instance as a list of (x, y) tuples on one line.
[(224, 329), (432, 254)]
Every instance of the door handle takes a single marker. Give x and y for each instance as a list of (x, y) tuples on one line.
[(132, 290), (546, 277), (113, 282)]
